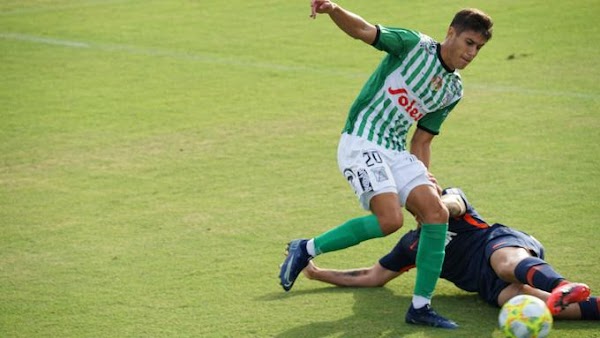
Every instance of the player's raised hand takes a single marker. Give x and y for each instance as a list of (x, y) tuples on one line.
[(321, 6)]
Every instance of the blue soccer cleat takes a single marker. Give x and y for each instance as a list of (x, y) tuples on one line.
[(426, 316), (296, 260)]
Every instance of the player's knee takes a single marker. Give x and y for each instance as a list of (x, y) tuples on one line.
[(505, 269), (505, 260), (436, 215), (442, 214), (388, 212), (390, 222)]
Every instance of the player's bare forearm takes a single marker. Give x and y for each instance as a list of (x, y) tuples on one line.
[(352, 24), (354, 277), (361, 277), (422, 153), (420, 146)]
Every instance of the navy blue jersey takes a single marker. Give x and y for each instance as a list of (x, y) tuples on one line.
[(470, 241), (465, 240)]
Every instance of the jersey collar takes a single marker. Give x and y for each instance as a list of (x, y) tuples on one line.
[(439, 55)]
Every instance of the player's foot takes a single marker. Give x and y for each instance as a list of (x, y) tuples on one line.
[(297, 258), (566, 294), (427, 316)]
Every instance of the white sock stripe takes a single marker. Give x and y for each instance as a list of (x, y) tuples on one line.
[(310, 247)]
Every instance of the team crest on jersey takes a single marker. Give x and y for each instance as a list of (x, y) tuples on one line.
[(436, 83)]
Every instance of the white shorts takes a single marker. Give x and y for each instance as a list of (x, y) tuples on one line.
[(372, 169)]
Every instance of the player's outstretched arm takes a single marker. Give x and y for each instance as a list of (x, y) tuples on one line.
[(352, 24), (362, 277)]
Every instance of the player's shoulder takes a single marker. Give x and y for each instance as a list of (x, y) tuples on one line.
[(426, 40), (405, 32), (396, 40)]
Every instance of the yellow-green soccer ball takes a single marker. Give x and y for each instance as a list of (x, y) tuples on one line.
[(525, 316)]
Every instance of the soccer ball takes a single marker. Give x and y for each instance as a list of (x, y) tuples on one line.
[(525, 316)]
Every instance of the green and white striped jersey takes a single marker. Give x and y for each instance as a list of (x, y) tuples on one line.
[(410, 84)]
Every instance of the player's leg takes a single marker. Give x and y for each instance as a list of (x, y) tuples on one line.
[(517, 265), (399, 260), (348, 234), (386, 219), (513, 263), (424, 202), (366, 167), (585, 310), (567, 293), (504, 260), (370, 176)]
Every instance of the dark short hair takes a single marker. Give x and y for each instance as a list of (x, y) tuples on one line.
[(472, 19)]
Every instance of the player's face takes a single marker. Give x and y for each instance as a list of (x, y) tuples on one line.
[(462, 48)]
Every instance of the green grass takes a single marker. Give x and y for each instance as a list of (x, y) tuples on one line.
[(156, 156)]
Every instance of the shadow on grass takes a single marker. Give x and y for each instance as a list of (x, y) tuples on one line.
[(378, 312)]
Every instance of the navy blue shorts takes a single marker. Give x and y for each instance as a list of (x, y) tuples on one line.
[(490, 285)]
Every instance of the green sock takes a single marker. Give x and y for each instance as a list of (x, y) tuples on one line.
[(430, 257), (348, 234)]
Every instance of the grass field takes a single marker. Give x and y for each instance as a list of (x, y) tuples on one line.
[(156, 156)]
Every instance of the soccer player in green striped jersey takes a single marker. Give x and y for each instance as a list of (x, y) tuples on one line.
[(417, 82)]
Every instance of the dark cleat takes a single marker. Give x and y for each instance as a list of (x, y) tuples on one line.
[(296, 260), (426, 316)]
